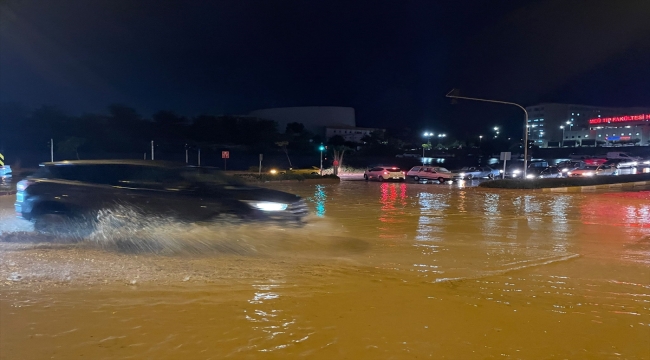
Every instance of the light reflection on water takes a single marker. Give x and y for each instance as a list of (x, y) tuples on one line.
[(447, 273)]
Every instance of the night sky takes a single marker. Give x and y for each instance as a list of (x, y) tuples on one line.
[(393, 61)]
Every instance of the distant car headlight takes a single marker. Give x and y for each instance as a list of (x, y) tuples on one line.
[(500, 171), (273, 171), (516, 171), (462, 174), (267, 205), (530, 176), (565, 170), (589, 174)]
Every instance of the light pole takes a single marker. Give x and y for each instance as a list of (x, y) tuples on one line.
[(450, 95), (562, 142), (321, 148), (480, 138), (441, 136), (427, 135), (496, 128)]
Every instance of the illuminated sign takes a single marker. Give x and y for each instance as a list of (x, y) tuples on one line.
[(616, 119), (617, 138)]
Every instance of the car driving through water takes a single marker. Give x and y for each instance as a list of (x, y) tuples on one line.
[(77, 191)]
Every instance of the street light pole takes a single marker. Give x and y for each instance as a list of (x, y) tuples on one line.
[(449, 95), (321, 148), (562, 142), (427, 135)]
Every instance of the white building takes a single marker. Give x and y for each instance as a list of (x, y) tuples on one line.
[(552, 124), (349, 133)]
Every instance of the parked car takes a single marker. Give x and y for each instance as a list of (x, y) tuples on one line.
[(544, 173), (77, 191), (516, 170), (5, 170), (592, 170), (428, 173), (474, 172), (622, 156), (383, 173)]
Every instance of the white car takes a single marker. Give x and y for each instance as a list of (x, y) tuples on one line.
[(382, 173), (475, 172), (430, 173), (592, 170)]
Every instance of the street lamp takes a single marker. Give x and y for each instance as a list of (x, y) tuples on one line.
[(450, 95), (480, 137), (441, 136), (321, 148), (562, 142), (496, 128), (427, 135)]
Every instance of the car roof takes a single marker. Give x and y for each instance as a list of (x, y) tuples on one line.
[(157, 163)]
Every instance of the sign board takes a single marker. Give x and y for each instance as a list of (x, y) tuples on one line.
[(225, 154), (2, 160), (505, 155)]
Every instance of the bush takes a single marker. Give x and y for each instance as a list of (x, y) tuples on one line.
[(563, 182), (281, 177)]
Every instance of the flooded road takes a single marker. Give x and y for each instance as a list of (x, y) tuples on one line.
[(382, 271)]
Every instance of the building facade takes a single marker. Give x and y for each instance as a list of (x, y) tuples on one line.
[(555, 125), (349, 133)]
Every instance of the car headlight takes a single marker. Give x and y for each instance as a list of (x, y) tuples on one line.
[(569, 173), (530, 176), (267, 205), (516, 171), (565, 170), (273, 171), (588, 174)]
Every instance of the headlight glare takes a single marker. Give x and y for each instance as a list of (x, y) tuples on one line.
[(267, 205)]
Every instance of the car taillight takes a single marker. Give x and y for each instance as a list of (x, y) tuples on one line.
[(385, 172), (23, 184)]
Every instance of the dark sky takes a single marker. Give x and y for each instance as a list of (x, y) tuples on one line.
[(393, 61)]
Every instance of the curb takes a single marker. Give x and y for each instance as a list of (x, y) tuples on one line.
[(617, 186), (12, 192)]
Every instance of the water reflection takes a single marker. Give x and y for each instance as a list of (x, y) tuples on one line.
[(393, 203), (431, 221), (277, 327), (319, 199)]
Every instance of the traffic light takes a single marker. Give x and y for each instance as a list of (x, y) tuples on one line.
[(321, 147)]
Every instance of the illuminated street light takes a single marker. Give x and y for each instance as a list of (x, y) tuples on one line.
[(427, 135), (454, 96), (562, 142)]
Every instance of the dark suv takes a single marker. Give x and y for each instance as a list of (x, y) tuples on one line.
[(79, 190)]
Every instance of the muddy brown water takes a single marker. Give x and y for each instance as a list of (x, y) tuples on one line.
[(382, 271)]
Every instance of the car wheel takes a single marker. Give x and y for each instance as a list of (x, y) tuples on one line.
[(365, 177), (381, 178), (416, 178), (441, 180)]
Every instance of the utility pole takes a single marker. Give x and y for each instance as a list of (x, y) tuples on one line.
[(152, 150), (51, 150), (199, 156), (186, 154), (450, 95)]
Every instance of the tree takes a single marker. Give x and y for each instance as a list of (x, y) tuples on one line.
[(339, 151), (283, 145), (70, 145)]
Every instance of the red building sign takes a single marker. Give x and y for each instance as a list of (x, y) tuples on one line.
[(618, 119)]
